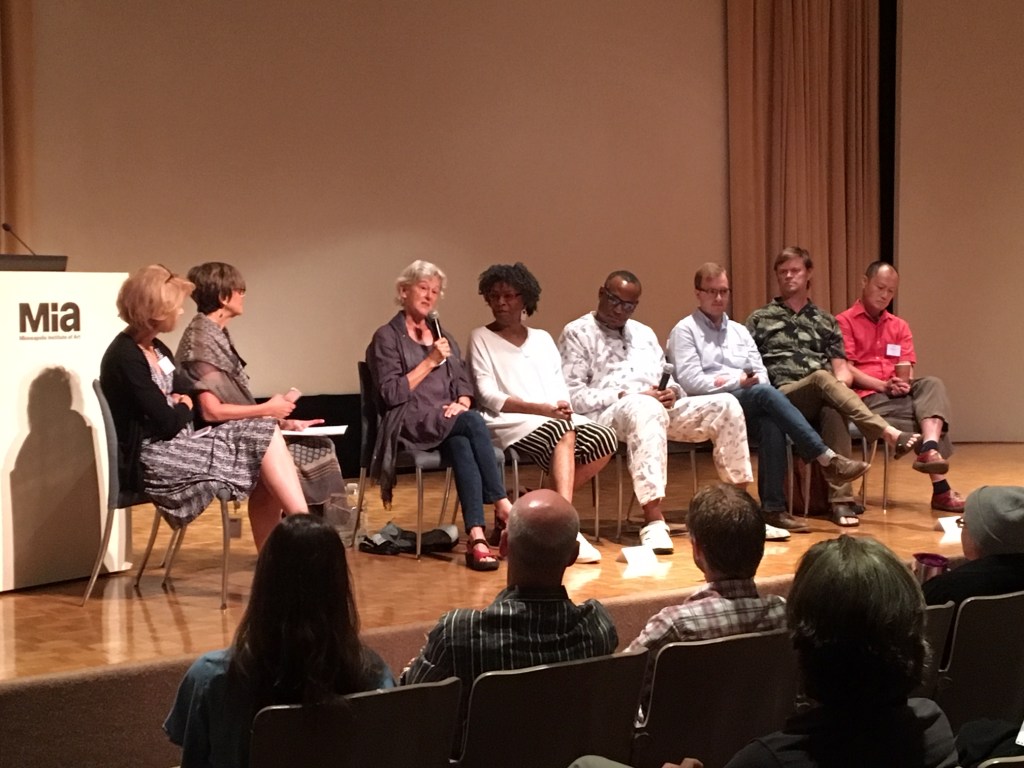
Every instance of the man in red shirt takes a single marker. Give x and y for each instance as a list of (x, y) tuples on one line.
[(876, 343)]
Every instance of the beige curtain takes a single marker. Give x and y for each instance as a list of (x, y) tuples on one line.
[(15, 116), (3, 119), (803, 143)]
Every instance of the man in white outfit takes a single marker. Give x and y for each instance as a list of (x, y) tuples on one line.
[(613, 366)]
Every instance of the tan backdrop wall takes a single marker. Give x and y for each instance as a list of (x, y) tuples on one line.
[(321, 146), (960, 233)]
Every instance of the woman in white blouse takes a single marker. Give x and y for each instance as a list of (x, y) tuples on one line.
[(517, 372)]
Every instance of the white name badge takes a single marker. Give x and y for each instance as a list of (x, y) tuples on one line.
[(165, 365), (892, 350)]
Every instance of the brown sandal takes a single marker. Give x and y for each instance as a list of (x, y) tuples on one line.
[(905, 443), (480, 561)]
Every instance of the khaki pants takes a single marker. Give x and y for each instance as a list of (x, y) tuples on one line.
[(827, 403)]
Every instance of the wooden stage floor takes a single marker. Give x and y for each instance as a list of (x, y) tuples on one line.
[(44, 629)]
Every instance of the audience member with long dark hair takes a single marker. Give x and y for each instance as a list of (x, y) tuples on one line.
[(856, 614), (297, 643)]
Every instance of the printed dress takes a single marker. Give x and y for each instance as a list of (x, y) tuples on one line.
[(182, 475)]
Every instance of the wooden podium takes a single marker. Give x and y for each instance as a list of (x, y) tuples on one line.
[(54, 328)]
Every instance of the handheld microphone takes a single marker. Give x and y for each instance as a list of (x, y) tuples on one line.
[(7, 228), (432, 318), (666, 372)]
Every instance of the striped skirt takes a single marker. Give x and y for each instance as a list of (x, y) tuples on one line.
[(593, 442)]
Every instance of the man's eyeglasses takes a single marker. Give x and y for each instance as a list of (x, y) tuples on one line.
[(629, 307), (722, 293)]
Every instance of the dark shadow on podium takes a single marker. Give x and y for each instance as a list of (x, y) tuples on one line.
[(55, 495)]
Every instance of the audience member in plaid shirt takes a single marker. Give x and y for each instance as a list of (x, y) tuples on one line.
[(727, 538)]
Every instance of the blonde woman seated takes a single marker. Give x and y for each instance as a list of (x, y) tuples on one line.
[(517, 371), (161, 455), (210, 367)]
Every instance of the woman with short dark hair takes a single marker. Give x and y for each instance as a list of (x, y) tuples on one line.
[(213, 372), (517, 372), (297, 643)]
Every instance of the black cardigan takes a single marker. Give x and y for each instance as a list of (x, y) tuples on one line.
[(139, 408)]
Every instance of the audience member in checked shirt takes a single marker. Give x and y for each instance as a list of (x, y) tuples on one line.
[(616, 372), (727, 539), (532, 621)]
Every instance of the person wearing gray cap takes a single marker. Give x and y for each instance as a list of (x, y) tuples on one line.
[(993, 542)]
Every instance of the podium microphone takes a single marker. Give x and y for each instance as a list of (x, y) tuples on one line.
[(7, 228), (666, 371)]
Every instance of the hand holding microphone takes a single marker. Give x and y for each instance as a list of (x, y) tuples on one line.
[(441, 345), (665, 396), (666, 374)]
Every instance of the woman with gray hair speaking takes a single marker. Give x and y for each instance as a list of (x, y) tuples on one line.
[(426, 396)]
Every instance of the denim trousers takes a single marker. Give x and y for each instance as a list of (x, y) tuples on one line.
[(478, 480), (771, 417)]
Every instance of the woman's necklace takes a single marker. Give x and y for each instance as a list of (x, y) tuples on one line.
[(418, 332)]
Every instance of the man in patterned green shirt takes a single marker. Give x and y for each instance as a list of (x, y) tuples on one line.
[(802, 348)]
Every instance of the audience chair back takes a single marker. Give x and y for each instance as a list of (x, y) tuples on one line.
[(394, 728), (938, 620), (710, 697), (421, 461), (985, 674), (547, 716)]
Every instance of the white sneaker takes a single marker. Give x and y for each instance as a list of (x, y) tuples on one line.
[(588, 552), (655, 536), (771, 533)]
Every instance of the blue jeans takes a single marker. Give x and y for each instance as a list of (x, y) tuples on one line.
[(478, 479), (770, 418)]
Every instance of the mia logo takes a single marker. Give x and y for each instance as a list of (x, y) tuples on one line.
[(49, 318)]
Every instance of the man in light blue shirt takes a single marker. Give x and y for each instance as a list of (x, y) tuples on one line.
[(711, 354)]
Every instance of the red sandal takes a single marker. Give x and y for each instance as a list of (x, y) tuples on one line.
[(477, 560)]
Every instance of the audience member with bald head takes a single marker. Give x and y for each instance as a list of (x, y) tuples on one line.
[(531, 621), (541, 539)]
